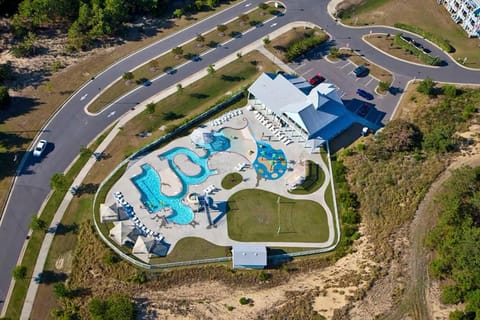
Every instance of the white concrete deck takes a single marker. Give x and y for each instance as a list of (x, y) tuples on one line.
[(239, 130)]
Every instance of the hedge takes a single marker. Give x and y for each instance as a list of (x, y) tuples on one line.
[(427, 35), (425, 58), (301, 46)]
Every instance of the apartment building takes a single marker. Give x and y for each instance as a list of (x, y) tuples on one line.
[(466, 13)]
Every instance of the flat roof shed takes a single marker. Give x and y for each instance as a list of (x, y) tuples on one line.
[(249, 256)]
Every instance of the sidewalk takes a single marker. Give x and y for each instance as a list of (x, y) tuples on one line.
[(42, 256)]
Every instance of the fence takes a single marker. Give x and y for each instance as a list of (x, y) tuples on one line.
[(152, 146)]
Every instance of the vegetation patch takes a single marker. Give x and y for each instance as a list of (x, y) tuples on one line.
[(231, 180), (295, 42), (412, 49), (257, 215), (455, 241), (442, 43)]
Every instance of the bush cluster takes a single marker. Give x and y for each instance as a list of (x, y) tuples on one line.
[(301, 46), (426, 58), (427, 35)]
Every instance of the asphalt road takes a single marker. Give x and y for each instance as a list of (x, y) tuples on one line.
[(71, 128)]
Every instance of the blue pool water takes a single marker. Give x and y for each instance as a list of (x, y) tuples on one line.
[(148, 183), (270, 163), (219, 143)]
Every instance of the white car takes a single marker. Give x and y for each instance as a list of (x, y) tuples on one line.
[(40, 148)]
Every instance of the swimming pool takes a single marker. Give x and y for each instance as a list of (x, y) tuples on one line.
[(149, 184), (270, 163)]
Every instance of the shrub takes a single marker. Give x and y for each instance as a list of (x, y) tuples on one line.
[(177, 51), (61, 291), (110, 257), (301, 46), (263, 276), (426, 86), (450, 295), (450, 91), (334, 52), (59, 182), (117, 307), (244, 301), (439, 140), (38, 224), (444, 44), (139, 277), (383, 86), (19, 272), (6, 72), (150, 108), (178, 13), (4, 97), (127, 76), (222, 28), (266, 40), (263, 6)]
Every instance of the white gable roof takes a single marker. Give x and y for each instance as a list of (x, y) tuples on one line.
[(319, 112), (249, 255), (123, 231)]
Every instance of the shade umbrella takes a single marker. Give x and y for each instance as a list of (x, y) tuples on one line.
[(201, 136)]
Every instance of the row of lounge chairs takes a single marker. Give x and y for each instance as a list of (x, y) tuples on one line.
[(269, 125), (133, 217), (209, 189), (241, 166), (227, 116)]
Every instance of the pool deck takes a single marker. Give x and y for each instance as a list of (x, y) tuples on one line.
[(223, 162)]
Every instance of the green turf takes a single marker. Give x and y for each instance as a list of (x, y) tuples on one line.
[(313, 181), (231, 180), (256, 215)]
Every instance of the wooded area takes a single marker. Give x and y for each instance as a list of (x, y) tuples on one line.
[(85, 21)]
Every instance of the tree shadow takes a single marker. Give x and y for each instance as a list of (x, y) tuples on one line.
[(19, 106), (63, 229), (199, 95), (231, 78), (50, 277)]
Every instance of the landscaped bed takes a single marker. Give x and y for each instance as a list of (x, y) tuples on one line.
[(256, 215)]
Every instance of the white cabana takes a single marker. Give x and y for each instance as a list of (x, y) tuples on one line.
[(107, 213), (143, 246), (123, 232), (201, 136)]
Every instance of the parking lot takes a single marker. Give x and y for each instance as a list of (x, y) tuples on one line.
[(340, 73)]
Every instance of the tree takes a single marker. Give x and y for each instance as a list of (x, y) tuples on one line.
[(450, 91), (222, 28), (213, 3), (211, 69), (19, 272), (61, 291), (128, 76), (117, 307), (177, 51), (243, 19), (266, 40), (150, 108), (334, 52), (38, 224), (263, 6), (179, 88), (59, 182), (426, 86), (399, 136), (4, 97), (6, 72), (178, 13), (200, 39), (383, 86), (85, 152)]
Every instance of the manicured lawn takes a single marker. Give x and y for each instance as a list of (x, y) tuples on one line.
[(255, 215), (193, 248), (439, 22), (231, 180)]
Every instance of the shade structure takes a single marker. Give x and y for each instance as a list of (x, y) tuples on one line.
[(201, 136)]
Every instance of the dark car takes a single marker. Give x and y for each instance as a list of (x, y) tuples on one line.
[(363, 110), (316, 79), (361, 70), (364, 94)]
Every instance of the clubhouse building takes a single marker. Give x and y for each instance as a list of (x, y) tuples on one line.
[(466, 13), (316, 114)]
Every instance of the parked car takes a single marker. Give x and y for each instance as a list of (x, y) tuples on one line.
[(40, 148), (316, 79), (363, 110), (361, 70), (364, 94)]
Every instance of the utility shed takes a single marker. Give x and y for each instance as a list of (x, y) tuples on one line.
[(248, 256)]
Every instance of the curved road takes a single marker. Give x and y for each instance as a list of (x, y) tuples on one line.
[(72, 127)]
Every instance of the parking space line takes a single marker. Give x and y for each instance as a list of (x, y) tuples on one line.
[(300, 66), (369, 81), (346, 64), (307, 71)]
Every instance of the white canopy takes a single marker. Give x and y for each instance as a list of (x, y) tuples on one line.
[(123, 232), (107, 214)]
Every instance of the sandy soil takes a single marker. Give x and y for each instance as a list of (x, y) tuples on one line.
[(332, 288)]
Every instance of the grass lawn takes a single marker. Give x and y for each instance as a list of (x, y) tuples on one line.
[(254, 215), (387, 45), (169, 60), (439, 22), (193, 248), (231, 180)]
